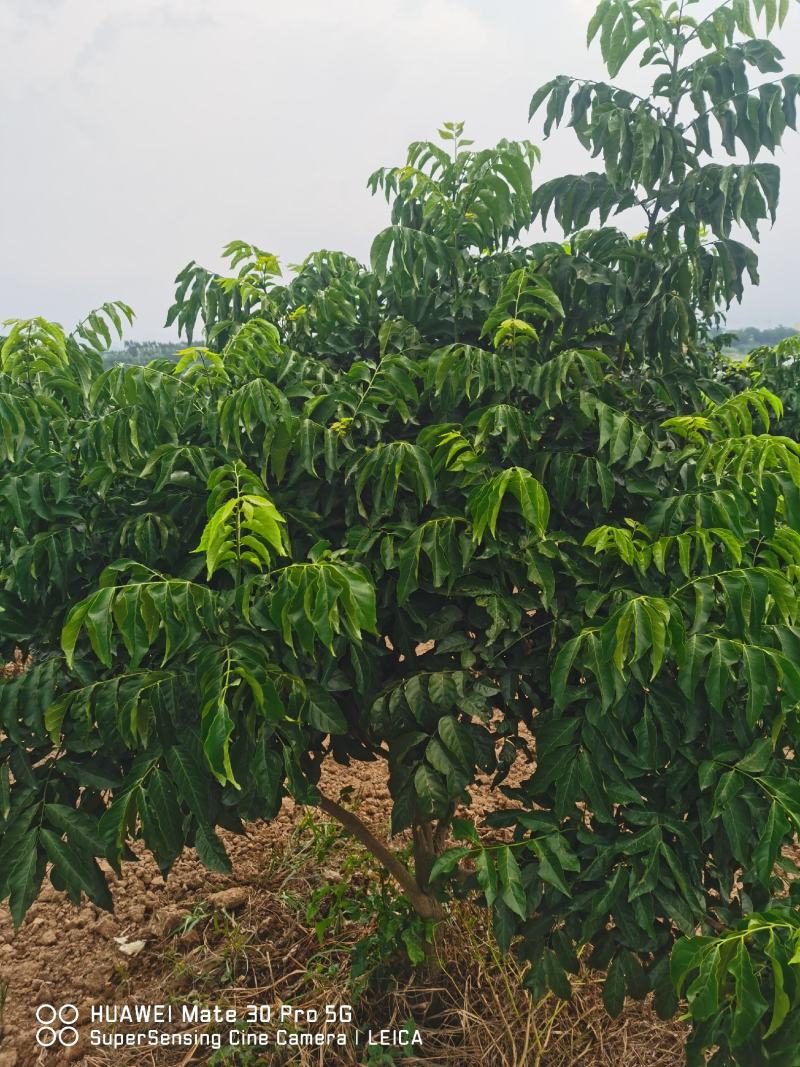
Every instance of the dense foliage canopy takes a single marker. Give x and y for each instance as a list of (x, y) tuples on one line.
[(479, 505)]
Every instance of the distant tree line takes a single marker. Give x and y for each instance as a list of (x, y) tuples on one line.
[(136, 353), (750, 337)]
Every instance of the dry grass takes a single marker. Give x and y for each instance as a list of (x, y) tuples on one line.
[(484, 1015), (475, 1012)]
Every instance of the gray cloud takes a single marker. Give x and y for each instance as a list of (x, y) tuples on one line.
[(138, 134)]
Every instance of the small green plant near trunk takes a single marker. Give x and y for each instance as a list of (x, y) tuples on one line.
[(479, 505)]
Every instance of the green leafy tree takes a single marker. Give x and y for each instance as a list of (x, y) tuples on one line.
[(716, 84), (455, 512), (772, 365)]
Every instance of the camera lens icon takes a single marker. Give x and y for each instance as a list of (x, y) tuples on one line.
[(57, 1025)]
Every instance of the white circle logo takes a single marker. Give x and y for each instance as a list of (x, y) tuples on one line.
[(46, 1013), (48, 1034), (68, 1013), (68, 1036)]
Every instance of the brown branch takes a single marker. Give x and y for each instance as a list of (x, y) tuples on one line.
[(425, 905)]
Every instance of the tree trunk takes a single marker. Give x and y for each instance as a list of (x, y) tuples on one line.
[(415, 886), (428, 841)]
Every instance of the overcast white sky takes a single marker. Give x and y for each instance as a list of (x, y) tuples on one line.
[(139, 134)]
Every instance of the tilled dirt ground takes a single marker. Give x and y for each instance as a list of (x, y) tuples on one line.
[(87, 957), (66, 954)]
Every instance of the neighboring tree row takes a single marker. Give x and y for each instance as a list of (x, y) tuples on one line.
[(532, 456)]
